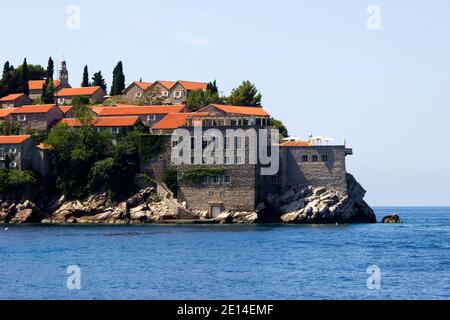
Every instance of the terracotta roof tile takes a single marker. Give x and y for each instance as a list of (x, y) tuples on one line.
[(104, 122), (296, 144), (65, 109), (84, 91), (39, 108), (176, 120), (12, 97), (191, 85), (128, 110), (142, 85), (38, 84), (13, 139), (254, 111), (6, 112), (166, 84)]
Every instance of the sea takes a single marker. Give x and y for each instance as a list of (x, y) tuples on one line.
[(410, 260)]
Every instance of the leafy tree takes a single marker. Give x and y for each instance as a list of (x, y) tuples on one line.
[(82, 111), (198, 99), (85, 82), (73, 153), (15, 181), (6, 69), (9, 128), (24, 78), (118, 82), (98, 80), (152, 96), (171, 180), (281, 127), (245, 95)]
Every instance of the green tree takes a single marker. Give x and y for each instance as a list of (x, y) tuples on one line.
[(24, 78), (48, 91), (245, 95), (281, 127), (98, 80), (118, 82), (212, 87), (85, 82), (50, 69), (198, 99), (82, 111)]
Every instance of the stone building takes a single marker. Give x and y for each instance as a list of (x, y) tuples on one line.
[(173, 92), (234, 183), (16, 152), (15, 100), (35, 117), (115, 125), (94, 94), (148, 114), (136, 90)]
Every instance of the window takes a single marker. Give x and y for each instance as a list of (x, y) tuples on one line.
[(13, 150), (216, 179), (238, 142), (151, 117), (13, 165), (210, 193), (165, 93), (115, 130), (239, 160), (304, 158), (2, 153), (228, 179), (174, 144), (228, 160), (177, 94), (205, 179), (324, 158), (227, 143), (192, 160), (315, 158), (138, 94), (222, 193), (21, 117)]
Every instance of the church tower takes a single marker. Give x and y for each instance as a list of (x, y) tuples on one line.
[(64, 75)]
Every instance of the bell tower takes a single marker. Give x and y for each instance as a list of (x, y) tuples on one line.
[(64, 75)]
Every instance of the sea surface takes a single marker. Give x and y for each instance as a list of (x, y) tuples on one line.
[(231, 261)]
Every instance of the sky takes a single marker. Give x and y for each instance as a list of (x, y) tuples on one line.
[(375, 73)]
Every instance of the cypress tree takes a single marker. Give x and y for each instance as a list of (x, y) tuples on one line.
[(48, 91), (85, 82), (6, 69), (24, 78), (98, 80), (118, 83), (50, 68)]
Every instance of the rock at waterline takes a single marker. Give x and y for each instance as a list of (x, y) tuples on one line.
[(391, 218)]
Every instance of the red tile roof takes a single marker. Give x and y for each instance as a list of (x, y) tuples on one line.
[(65, 109), (296, 144), (176, 120), (6, 112), (191, 85), (39, 108), (84, 91), (12, 97), (104, 122), (13, 139), (38, 84), (128, 110), (253, 111), (142, 85), (166, 84)]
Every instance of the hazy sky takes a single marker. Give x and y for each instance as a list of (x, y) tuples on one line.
[(318, 65)]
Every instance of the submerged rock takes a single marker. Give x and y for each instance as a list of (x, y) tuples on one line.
[(391, 218)]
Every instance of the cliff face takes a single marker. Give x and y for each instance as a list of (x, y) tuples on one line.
[(298, 205), (321, 205)]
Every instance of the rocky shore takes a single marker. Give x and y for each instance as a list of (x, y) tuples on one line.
[(157, 205)]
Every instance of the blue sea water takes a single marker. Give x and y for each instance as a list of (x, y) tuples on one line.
[(231, 261)]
